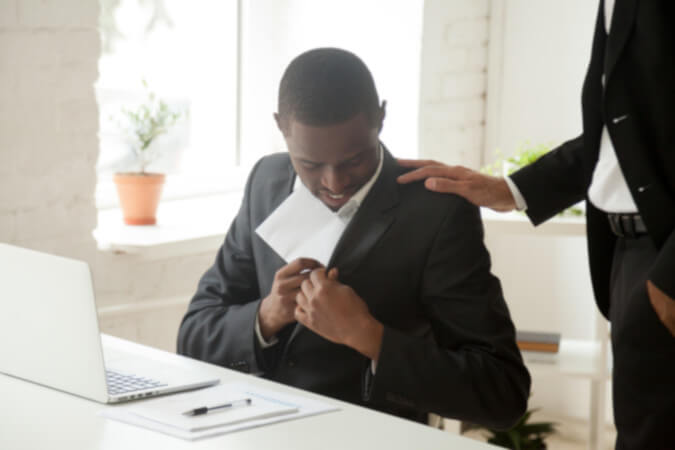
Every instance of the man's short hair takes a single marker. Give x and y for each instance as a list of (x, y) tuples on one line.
[(327, 86)]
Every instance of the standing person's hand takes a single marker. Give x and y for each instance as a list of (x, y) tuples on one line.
[(663, 305), (334, 311), (479, 189), (278, 309)]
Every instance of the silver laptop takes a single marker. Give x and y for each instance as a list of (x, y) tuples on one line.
[(49, 334)]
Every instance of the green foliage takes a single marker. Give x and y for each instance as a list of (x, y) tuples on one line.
[(523, 435), (524, 155), (145, 123)]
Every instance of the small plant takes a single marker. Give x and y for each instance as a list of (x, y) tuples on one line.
[(523, 435), (144, 124), (524, 155)]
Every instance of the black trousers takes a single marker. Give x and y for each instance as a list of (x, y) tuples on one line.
[(644, 354)]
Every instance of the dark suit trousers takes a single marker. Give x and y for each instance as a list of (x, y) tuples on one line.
[(644, 354)]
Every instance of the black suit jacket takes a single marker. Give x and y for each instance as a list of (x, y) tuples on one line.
[(417, 259), (637, 104)]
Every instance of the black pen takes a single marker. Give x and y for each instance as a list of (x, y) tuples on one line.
[(207, 409)]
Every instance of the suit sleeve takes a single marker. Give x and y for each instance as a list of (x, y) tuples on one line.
[(219, 326), (661, 273), (471, 368), (556, 181)]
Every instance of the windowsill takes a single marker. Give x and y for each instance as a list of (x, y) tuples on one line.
[(191, 226), (517, 223)]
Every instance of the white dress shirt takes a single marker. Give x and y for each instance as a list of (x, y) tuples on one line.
[(608, 191), (346, 213)]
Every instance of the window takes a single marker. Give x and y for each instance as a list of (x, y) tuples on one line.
[(386, 34), (187, 54), (191, 54)]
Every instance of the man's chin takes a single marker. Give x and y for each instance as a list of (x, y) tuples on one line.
[(333, 203)]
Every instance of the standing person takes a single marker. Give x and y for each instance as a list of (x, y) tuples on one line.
[(624, 166), (408, 321)]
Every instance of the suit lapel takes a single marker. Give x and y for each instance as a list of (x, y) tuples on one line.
[(374, 217), (370, 222), (622, 21)]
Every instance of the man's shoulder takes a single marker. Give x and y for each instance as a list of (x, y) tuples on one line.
[(272, 168), (417, 195), (276, 162)]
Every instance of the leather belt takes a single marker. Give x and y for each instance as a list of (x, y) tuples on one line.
[(628, 226)]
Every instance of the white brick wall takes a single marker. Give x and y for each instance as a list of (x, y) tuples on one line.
[(453, 80), (144, 300), (48, 123), (49, 52)]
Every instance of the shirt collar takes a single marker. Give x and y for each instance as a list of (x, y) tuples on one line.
[(348, 210)]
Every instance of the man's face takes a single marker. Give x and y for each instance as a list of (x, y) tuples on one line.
[(333, 161)]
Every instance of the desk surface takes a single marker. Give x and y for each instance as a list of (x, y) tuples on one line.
[(36, 417)]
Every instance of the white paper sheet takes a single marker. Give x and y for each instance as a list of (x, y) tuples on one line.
[(302, 227), (169, 410), (289, 407)]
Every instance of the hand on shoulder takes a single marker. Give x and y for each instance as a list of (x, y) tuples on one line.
[(479, 189)]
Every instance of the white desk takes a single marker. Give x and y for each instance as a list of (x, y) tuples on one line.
[(35, 417)]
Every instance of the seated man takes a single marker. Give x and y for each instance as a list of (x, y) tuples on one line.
[(407, 320)]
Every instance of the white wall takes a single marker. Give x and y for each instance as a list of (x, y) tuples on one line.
[(48, 123), (49, 54), (539, 51), (453, 81)]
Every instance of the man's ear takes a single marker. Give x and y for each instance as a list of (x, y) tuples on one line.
[(282, 125), (381, 114)]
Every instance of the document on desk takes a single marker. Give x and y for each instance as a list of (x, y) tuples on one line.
[(315, 236), (166, 414)]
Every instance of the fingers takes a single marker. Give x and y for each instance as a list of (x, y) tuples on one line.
[(291, 284), (415, 163), (451, 172), (296, 266), (302, 301), (306, 288), (318, 276), (301, 316), (301, 308), (445, 185), (333, 274)]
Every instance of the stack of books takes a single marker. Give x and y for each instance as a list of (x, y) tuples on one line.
[(538, 346)]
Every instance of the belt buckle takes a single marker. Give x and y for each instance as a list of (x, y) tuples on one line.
[(615, 224), (628, 225)]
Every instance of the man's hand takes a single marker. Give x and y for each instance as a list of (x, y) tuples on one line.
[(278, 309), (334, 311), (663, 305), (479, 189)]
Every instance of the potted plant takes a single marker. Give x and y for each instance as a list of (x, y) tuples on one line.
[(523, 435), (525, 154), (139, 191)]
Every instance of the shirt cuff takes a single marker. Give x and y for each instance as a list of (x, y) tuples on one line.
[(521, 205), (261, 340)]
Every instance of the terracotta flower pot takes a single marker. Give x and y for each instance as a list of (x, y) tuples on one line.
[(139, 196)]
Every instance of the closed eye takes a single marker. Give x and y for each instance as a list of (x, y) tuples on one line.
[(310, 165)]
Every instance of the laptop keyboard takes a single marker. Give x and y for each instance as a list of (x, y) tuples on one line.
[(119, 383)]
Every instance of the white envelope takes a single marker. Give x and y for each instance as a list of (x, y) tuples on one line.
[(302, 227)]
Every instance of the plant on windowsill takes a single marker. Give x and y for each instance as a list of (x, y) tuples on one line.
[(524, 155), (139, 191)]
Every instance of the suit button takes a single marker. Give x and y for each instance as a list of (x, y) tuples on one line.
[(292, 362)]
